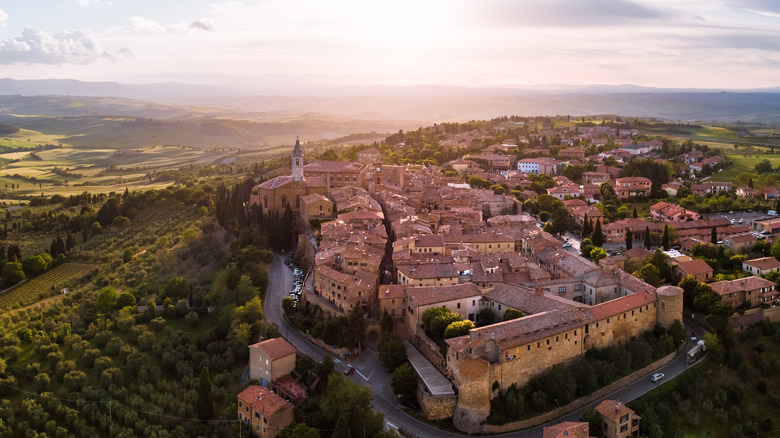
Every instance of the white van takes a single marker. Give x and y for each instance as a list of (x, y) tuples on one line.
[(771, 213)]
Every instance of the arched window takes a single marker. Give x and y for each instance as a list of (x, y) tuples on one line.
[(265, 201)]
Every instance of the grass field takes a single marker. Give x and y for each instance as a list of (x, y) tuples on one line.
[(95, 170), (27, 138), (40, 287), (747, 164)]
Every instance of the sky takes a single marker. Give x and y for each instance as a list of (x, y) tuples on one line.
[(713, 44)]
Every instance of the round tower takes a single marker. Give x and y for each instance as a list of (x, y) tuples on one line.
[(669, 305), (297, 162), (473, 408)]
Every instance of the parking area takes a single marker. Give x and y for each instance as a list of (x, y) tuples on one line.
[(295, 294), (740, 217)]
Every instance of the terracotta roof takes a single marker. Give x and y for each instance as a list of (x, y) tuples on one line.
[(262, 400), (308, 199), (428, 271), (334, 166), (764, 263), (620, 305), (510, 334), (391, 291), (741, 285), (426, 295), (526, 299), (694, 267), (473, 367), (275, 348), (567, 429), (429, 240), (275, 182), (638, 253), (737, 321), (613, 410)]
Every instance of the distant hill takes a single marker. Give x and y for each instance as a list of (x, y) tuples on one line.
[(420, 103)]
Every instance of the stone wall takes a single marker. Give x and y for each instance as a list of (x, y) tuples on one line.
[(577, 404), (431, 351), (436, 407), (620, 327)]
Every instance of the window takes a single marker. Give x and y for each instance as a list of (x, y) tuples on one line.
[(458, 305), (562, 289)]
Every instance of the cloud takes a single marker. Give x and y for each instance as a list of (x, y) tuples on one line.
[(3, 17), (144, 25), (765, 7), (84, 3), (35, 46), (563, 13), (204, 25)]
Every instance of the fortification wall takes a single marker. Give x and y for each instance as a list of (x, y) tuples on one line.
[(436, 407), (621, 327)]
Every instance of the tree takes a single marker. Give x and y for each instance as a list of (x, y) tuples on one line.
[(597, 254), (458, 328), (441, 322), (391, 350), (12, 273), (764, 166), (511, 313), (665, 238), (597, 237), (649, 274), (121, 222), (387, 322), (429, 315), (342, 428), (325, 368), (678, 332), (585, 226), (635, 214), (356, 328), (629, 239), (647, 237), (750, 183), (586, 246), (301, 430), (205, 399), (544, 216), (485, 317), (176, 288), (106, 300), (714, 236), (34, 265), (404, 381)]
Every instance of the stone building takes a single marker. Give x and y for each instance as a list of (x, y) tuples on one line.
[(617, 420), (270, 360), (277, 193), (513, 352), (267, 413)]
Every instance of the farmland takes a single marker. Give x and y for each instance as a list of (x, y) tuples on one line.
[(65, 275)]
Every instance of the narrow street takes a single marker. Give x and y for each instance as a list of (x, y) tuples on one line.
[(371, 372)]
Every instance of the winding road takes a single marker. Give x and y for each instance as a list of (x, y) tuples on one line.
[(371, 372)]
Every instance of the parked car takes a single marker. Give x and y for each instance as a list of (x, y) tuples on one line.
[(693, 337), (350, 370), (656, 377), (566, 244)]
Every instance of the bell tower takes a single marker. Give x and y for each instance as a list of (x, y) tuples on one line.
[(297, 162)]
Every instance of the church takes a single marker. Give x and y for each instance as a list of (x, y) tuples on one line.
[(275, 194)]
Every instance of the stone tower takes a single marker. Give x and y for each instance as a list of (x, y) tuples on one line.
[(297, 162), (669, 305), (473, 405)]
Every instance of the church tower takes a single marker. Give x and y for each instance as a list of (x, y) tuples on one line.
[(297, 162)]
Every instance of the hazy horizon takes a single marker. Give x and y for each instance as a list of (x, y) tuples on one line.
[(274, 45)]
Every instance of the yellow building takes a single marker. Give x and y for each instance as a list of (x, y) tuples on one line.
[(267, 413), (270, 360)]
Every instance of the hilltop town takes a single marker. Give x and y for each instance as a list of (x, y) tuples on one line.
[(525, 239)]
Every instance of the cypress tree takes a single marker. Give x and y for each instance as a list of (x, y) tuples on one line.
[(205, 399), (629, 239), (750, 183), (585, 226), (714, 236), (635, 214), (596, 237), (647, 238), (665, 238)]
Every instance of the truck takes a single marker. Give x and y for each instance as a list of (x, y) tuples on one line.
[(696, 352)]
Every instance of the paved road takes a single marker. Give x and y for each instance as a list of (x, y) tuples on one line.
[(370, 371)]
